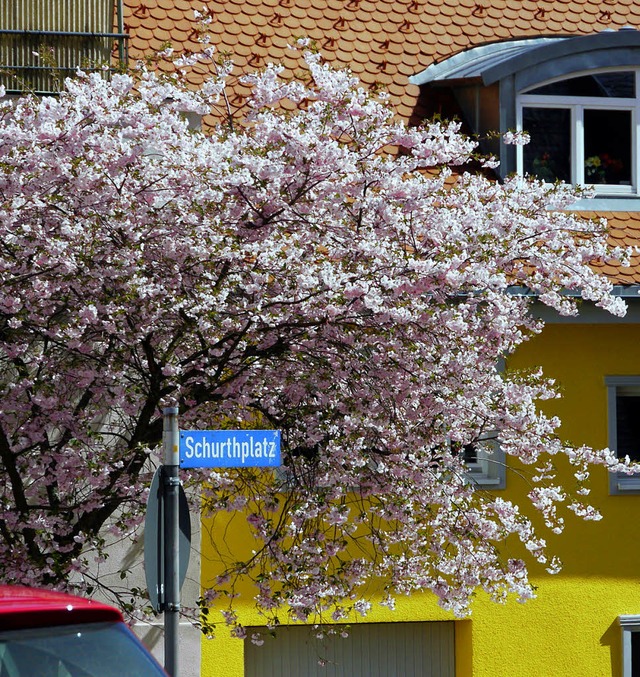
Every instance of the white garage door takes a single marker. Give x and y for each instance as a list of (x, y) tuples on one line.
[(370, 650)]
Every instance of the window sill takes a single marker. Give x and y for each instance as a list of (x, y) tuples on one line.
[(614, 203), (485, 481), (624, 486)]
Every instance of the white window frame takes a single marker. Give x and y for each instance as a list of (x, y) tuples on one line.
[(628, 624), (619, 483), (576, 105)]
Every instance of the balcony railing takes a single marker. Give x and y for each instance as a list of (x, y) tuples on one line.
[(43, 41)]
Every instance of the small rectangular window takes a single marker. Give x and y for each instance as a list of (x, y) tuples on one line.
[(371, 650), (628, 424), (485, 462), (623, 397), (635, 654)]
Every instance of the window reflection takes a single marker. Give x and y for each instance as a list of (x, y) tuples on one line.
[(548, 155), (616, 84), (607, 147)]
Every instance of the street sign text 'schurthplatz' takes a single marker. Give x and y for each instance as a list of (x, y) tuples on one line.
[(229, 448)]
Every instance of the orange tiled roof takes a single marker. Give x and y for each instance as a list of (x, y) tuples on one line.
[(384, 42), (624, 231)]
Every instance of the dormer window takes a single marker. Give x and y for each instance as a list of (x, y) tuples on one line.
[(578, 97)]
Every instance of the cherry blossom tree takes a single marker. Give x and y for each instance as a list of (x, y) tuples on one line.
[(320, 269)]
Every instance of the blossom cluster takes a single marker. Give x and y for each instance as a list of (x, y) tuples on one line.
[(287, 272)]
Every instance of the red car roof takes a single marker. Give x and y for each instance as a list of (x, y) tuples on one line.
[(22, 607)]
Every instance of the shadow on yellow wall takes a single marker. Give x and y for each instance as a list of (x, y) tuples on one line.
[(570, 630)]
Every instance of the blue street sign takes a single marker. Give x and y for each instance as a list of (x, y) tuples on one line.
[(229, 448)]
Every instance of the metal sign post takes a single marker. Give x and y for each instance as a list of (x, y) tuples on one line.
[(167, 521), (171, 480)]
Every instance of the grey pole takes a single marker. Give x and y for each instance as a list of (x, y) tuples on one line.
[(171, 526)]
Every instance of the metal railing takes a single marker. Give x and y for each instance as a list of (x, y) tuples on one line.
[(44, 41)]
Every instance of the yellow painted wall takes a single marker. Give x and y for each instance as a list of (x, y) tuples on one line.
[(570, 629)]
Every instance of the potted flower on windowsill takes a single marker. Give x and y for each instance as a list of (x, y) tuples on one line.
[(603, 169)]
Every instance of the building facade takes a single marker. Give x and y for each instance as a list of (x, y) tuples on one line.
[(567, 72)]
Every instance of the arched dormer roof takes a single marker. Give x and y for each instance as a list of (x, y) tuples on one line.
[(532, 61)]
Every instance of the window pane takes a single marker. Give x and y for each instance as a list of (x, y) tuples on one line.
[(607, 146), (635, 654), (87, 650), (470, 453), (620, 84), (628, 426), (548, 155)]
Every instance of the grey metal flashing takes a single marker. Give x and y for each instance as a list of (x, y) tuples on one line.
[(473, 62), (535, 60), (588, 312), (615, 47), (561, 66), (631, 291), (507, 121), (625, 291)]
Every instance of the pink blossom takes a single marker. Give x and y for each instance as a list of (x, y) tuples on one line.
[(279, 271)]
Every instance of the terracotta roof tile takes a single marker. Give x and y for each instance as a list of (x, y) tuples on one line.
[(383, 41), (230, 26), (291, 22)]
